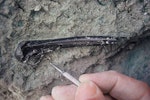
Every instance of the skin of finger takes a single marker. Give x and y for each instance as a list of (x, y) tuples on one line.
[(117, 85), (89, 91), (146, 96), (64, 92), (107, 97), (47, 97)]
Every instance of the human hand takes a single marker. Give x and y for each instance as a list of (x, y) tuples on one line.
[(108, 85)]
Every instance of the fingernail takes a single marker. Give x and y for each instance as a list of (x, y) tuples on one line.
[(83, 78), (64, 92), (45, 97), (87, 90), (61, 89), (55, 90), (42, 98)]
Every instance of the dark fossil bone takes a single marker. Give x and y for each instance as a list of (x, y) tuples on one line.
[(34, 50)]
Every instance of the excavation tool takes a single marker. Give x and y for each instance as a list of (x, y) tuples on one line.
[(65, 74)]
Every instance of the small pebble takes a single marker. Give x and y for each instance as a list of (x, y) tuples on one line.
[(37, 8)]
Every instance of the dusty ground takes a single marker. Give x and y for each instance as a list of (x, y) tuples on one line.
[(44, 19)]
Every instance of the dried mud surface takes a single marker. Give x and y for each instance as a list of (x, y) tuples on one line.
[(50, 19)]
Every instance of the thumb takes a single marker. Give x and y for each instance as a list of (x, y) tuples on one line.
[(88, 91)]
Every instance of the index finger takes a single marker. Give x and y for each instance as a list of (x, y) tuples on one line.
[(119, 86)]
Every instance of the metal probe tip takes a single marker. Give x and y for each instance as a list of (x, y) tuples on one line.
[(56, 67), (65, 74)]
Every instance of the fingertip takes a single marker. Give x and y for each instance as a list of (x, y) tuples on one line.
[(47, 97), (64, 92), (88, 90)]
